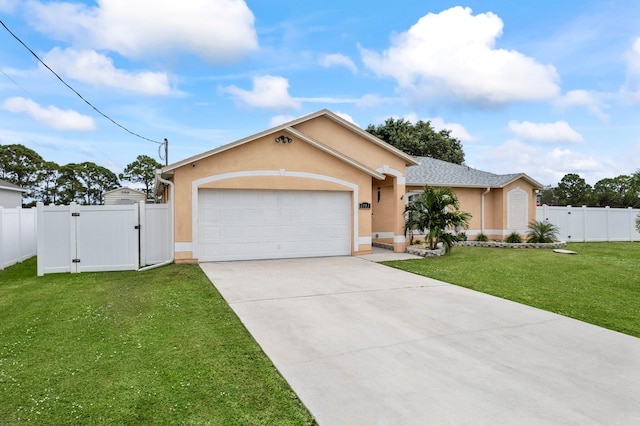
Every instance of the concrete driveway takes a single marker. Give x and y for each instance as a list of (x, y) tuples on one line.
[(365, 344)]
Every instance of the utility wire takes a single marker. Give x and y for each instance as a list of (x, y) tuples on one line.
[(74, 90)]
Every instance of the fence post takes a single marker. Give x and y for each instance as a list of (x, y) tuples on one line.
[(142, 232), (40, 237), (631, 223), (1, 239), (73, 252), (584, 223), (569, 223), (607, 210)]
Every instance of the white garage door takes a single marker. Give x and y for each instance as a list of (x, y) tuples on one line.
[(258, 224)]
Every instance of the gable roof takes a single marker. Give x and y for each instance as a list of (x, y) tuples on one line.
[(289, 127), (10, 186), (430, 171), (125, 188)]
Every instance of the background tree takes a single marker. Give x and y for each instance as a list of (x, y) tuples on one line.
[(620, 191), (85, 182), (20, 166), (573, 190), (143, 171), (549, 196), (419, 139), (47, 187), (434, 212)]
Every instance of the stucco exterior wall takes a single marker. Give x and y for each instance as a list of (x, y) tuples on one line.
[(351, 144), (245, 161), (496, 208)]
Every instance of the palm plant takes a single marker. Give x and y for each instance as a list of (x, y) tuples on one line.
[(541, 231), (513, 237), (434, 212)]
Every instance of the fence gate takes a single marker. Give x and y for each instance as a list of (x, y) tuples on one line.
[(87, 238)]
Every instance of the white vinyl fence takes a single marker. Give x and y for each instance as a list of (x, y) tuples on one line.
[(591, 223), (77, 238), (17, 235)]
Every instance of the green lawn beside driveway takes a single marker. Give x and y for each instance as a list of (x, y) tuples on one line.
[(129, 348), (599, 285)]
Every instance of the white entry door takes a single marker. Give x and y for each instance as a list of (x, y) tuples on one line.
[(262, 224)]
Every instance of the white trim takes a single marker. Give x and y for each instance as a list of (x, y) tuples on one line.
[(399, 239), (524, 194), (488, 232), (262, 173), (183, 246), (387, 170), (383, 234), (364, 241)]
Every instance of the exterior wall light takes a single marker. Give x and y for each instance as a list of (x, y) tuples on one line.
[(283, 139)]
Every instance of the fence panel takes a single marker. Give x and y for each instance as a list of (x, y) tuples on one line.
[(102, 238), (107, 238), (154, 234), (54, 239), (592, 223), (17, 235)]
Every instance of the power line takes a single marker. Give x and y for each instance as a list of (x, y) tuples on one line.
[(74, 90)]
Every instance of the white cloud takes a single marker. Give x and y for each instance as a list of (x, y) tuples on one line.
[(583, 98), (457, 130), (217, 30), (546, 166), (347, 117), (280, 119), (268, 91), (557, 132), (338, 60), (51, 116), (453, 54), (8, 6), (631, 91), (370, 100), (91, 67)]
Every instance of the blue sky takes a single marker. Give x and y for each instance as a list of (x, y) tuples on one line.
[(535, 86)]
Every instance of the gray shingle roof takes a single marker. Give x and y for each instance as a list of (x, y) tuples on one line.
[(434, 172)]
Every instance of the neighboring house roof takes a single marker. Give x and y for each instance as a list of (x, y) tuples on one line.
[(125, 188), (10, 186), (289, 127), (430, 171)]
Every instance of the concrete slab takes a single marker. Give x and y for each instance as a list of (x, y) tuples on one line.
[(364, 344), (381, 255)]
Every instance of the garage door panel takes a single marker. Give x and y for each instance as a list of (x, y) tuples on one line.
[(258, 224)]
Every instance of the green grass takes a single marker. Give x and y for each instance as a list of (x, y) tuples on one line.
[(599, 285), (129, 348)]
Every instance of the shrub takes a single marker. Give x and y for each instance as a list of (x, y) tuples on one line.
[(542, 232), (513, 238), (638, 222), (482, 238)]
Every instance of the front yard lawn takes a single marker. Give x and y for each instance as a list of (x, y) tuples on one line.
[(599, 285), (129, 348)]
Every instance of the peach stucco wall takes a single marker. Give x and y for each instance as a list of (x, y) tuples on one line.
[(350, 144), (495, 207), (264, 154)]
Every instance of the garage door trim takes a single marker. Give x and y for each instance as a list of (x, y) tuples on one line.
[(253, 173)]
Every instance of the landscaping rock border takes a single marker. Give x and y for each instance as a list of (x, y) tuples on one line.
[(500, 244), (420, 251)]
